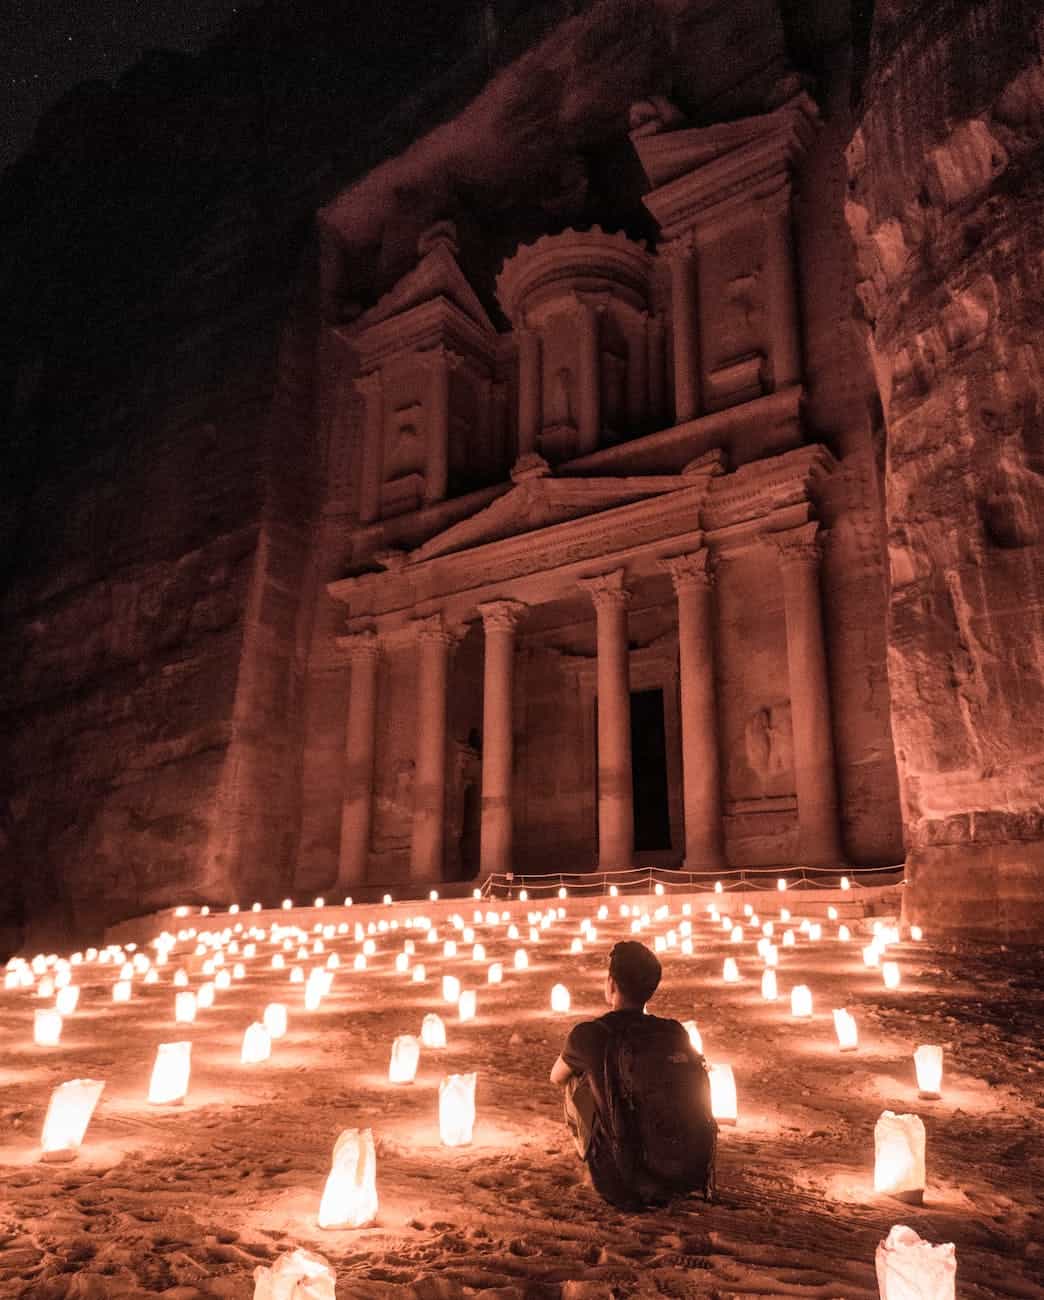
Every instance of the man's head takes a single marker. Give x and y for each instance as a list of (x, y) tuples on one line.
[(634, 975)]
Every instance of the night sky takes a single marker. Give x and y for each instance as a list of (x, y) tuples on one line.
[(48, 46)]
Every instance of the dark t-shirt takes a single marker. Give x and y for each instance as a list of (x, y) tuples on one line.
[(584, 1053)]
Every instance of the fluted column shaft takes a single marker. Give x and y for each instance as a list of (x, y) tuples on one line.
[(686, 330), (654, 335), (499, 619), (590, 385), (615, 791), (359, 750), (701, 766), (429, 788), (637, 375), (436, 475), (530, 406), (815, 781)]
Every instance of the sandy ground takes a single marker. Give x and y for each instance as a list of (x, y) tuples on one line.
[(186, 1202)]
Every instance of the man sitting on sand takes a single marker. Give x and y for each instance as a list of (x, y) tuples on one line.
[(637, 1094)]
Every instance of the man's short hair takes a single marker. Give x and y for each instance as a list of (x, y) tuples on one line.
[(635, 970)]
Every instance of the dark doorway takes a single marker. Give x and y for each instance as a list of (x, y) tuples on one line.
[(652, 817)]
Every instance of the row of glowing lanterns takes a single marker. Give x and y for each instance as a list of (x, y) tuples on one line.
[(170, 1076)]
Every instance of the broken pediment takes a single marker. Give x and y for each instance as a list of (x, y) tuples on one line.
[(541, 502)]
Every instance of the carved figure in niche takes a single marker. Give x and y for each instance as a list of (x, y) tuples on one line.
[(405, 453), (561, 403), (393, 807), (768, 749)]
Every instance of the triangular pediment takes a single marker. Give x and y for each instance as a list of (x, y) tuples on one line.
[(437, 276), (542, 503)]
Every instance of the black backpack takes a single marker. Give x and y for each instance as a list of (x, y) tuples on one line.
[(659, 1122)]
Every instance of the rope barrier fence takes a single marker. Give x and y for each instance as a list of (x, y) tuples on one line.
[(637, 880)]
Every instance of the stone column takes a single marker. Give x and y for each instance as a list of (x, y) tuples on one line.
[(436, 469), (372, 390), (499, 620), (637, 391), (781, 302), (701, 767), (589, 378), (615, 792), (815, 781), (654, 335), (364, 652), (530, 389), (680, 254), (429, 790)]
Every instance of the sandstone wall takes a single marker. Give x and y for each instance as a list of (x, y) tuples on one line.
[(947, 207)]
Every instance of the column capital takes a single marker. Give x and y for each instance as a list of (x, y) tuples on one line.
[(802, 546), (369, 385), (440, 357), (434, 630), (607, 590), (502, 615), (679, 249), (690, 572), (360, 646)]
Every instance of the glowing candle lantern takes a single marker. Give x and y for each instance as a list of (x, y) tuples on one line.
[(478, 952), (274, 1019), (801, 1002), (928, 1061), (449, 948), (723, 1094), (457, 1109), (152, 976), (718, 887), (771, 955), (433, 1031), (184, 1008), (313, 995), (47, 1028), (127, 971), (831, 913), (890, 974), (560, 1000), (238, 972), (784, 915), (405, 1056), (450, 988), (910, 1268), (318, 947), (402, 962), (534, 934), (686, 946), (67, 999), (916, 933), (846, 1030), (845, 882), (170, 1074), (71, 1107), (730, 971), (419, 973), (386, 900), (781, 884), (844, 934), (223, 979), (257, 1044), (660, 943), (433, 895), (521, 959), (769, 991), (788, 938), (512, 931), (726, 923), (576, 947), (350, 1196), (466, 1004), (899, 1157), (121, 991), (369, 947), (359, 961), (815, 932), (277, 962), (695, 1038), (495, 973), (205, 996), (736, 936)]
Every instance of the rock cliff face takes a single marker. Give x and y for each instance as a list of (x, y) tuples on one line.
[(947, 209)]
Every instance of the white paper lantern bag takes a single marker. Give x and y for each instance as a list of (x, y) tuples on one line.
[(457, 1109), (68, 1114), (909, 1268), (899, 1157), (297, 1275), (350, 1196), (405, 1056)]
